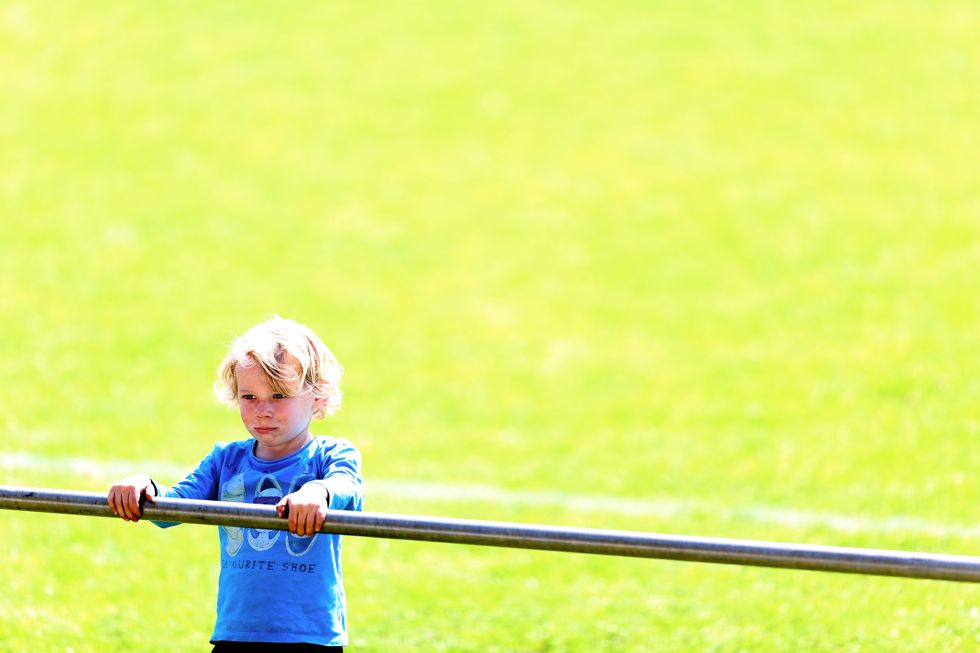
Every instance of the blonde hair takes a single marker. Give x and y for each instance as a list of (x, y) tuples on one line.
[(293, 358)]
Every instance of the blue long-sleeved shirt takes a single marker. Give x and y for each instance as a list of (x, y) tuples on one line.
[(275, 586)]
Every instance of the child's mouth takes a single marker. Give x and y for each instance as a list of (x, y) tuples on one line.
[(264, 430)]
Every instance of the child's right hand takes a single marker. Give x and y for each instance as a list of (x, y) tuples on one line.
[(124, 496)]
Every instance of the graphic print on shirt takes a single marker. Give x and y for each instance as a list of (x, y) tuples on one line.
[(234, 490), (299, 545), (268, 492)]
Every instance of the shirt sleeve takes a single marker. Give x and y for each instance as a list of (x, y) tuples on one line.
[(342, 477), (202, 483)]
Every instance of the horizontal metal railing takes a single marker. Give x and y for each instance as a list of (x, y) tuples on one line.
[(527, 536)]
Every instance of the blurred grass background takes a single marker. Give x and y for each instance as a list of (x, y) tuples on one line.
[(701, 251)]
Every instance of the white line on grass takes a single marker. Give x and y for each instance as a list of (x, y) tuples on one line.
[(108, 470)]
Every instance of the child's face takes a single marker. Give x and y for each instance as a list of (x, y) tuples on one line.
[(279, 423)]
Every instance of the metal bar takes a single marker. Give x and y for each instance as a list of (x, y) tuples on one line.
[(526, 536)]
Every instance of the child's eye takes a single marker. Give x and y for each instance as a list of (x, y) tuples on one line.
[(248, 397), (278, 395)]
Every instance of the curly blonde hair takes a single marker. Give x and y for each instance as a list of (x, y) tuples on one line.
[(292, 356)]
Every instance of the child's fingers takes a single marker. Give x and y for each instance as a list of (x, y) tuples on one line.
[(306, 514), (133, 504), (124, 497), (119, 501), (302, 520), (309, 524), (315, 520), (111, 500)]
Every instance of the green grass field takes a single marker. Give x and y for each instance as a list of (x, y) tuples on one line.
[(715, 256)]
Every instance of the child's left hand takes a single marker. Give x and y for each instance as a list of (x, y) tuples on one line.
[(307, 508)]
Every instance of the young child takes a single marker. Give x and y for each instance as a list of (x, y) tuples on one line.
[(277, 590)]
